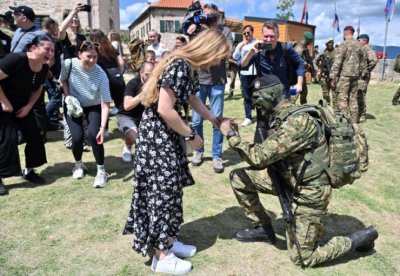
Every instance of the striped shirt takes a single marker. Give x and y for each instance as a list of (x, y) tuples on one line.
[(90, 87)]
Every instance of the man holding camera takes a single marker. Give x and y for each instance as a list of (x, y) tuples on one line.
[(273, 57), (212, 85)]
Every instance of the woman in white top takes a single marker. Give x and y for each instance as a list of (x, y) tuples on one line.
[(84, 80)]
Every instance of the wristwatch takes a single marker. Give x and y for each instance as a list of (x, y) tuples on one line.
[(230, 134), (191, 136)]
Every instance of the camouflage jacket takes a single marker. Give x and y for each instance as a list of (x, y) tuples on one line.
[(289, 142), (318, 61), (350, 60), (372, 59)]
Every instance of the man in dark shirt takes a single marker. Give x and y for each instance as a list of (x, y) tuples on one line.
[(130, 112)]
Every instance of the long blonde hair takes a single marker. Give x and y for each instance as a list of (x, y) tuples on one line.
[(207, 49)]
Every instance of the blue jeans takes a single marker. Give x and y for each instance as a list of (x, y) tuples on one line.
[(216, 95), (55, 97), (247, 93)]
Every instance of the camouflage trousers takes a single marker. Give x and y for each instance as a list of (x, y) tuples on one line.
[(302, 95), (396, 95), (326, 89), (309, 207), (346, 97), (233, 72), (362, 98)]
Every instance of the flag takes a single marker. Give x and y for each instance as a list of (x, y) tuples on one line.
[(389, 9), (304, 17), (336, 23)]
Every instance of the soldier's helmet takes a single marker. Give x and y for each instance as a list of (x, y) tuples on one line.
[(329, 40), (268, 91)]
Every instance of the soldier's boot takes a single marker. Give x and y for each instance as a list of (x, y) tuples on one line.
[(363, 240), (264, 233), (395, 102)]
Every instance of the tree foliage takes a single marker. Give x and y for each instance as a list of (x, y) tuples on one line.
[(285, 8)]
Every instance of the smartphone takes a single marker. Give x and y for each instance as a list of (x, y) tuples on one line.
[(86, 8), (264, 46)]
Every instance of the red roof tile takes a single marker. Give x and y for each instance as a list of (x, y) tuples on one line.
[(178, 4)]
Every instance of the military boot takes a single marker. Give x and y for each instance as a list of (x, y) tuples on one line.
[(3, 188), (395, 102), (363, 240), (263, 233)]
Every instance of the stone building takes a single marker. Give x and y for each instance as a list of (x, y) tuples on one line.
[(164, 16), (104, 14)]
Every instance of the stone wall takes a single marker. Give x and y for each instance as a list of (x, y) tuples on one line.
[(389, 75), (104, 12)]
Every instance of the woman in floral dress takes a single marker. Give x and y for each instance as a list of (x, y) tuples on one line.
[(161, 166)]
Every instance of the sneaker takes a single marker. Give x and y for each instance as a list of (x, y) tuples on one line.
[(85, 146), (170, 264), (217, 165), (3, 189), (246, 122), (114, 111), (126, 155), (78, 172), (197, 158), (183, 250), (101, 179), (33, 177)]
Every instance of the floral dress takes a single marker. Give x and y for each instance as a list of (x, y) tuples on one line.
[(160, 169)]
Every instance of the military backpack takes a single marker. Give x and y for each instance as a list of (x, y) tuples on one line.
[(396, 65), (137, 49), (348, 148)]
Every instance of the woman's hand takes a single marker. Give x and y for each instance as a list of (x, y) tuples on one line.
[(100, 136), (196, 143), (23, 111), (6, 106)]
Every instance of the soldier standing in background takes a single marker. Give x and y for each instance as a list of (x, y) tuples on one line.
[(396, 97), (371, 62), (348, 67), (302, 49), (323, 64)]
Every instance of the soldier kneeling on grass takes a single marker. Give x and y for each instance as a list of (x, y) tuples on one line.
[(284, 150)]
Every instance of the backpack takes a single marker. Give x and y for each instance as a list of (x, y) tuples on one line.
[(396, 65), (348, 148), (137, 50)]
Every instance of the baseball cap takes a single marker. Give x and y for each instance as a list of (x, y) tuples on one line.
[(25, 10)]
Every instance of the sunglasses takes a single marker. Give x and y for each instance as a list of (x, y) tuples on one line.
[(88, 45), (211, 6), (246, 33)]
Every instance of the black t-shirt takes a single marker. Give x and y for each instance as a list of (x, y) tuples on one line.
[(106, 63), (5, 44), (21, 80), (132, 89), (70, 50)]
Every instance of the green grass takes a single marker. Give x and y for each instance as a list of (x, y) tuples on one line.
[(69, 228)]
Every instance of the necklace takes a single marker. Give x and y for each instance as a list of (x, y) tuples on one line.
[(34, 78)]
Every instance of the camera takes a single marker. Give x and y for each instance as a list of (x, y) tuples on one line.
[(195, 15), (265, 46), (86, 8)]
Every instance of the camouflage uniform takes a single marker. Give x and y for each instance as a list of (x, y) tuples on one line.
[(233, 70), (371, 62), (285, 148), (324, 79), (348, 67), (299, 47)]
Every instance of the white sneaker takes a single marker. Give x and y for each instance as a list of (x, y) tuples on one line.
[(126, 155), (101, 179), (78, 172), (246, 122), (170, 264), (183, 250), (197, 158)]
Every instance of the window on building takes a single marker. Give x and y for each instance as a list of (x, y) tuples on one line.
[(111, 22), (142, 32), (170, 26), (137, 34)]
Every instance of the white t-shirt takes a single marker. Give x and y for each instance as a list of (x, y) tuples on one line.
[(159, 50)]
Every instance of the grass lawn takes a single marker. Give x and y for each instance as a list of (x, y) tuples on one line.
[(69, 228)]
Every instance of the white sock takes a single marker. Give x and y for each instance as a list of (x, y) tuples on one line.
[(127, 148), (27, 170), (100, 168), (79, 163)]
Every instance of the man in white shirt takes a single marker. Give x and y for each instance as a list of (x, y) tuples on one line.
[(156, 45), (248, 75)]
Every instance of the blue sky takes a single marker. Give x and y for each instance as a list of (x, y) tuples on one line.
[(320, 14)]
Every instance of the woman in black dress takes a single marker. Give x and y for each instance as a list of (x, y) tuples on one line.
[(161, 166), (21, 81)]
